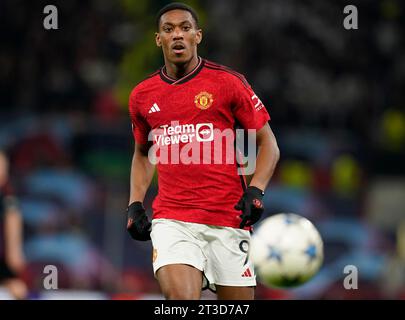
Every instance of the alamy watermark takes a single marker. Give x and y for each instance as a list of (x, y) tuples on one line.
[(351, 21), (50, 282), (51, 20), (350, 282)]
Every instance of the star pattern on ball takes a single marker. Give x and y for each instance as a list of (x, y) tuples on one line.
[(311, 251), (274, 254), (289, 219)]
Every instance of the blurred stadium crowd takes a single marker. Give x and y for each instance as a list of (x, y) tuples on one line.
[(336, 100)]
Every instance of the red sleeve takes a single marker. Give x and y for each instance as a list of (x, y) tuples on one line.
[(248, 109), (140, 128)]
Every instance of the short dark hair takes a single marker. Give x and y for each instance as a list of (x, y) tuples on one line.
[(176, 6)]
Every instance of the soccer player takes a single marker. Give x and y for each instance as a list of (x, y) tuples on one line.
[(12, 260), (203, 212)]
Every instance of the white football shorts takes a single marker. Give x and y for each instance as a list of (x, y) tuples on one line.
[(221, 253)]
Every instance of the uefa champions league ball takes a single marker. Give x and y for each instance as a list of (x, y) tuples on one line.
[(286, 250)]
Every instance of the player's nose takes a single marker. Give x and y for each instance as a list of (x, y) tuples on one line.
[(177, 34)]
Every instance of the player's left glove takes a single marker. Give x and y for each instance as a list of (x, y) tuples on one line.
[(251, 205)]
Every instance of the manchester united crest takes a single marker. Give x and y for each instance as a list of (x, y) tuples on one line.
[(203, 100)]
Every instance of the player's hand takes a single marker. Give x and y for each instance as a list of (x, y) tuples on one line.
[(138, 224), (251, 205)]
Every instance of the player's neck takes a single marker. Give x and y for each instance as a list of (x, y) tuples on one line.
[(178, 71)]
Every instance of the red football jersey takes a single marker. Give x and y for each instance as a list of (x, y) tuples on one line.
[(192, 122)]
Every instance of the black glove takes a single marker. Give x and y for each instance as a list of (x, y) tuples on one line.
[(138, 224), (251, 205)]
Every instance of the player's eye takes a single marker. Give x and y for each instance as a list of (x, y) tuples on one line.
[(186, 28), (167, 29)]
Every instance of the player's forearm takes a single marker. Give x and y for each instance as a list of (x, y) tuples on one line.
[(266, 161), (141, 176)]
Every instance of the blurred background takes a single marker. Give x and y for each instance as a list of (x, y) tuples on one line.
[(336, 98)]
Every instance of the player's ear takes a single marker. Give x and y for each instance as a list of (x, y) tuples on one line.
[(157, 39), (198, 36)]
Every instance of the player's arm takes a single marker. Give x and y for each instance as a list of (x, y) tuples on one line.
[(267, 157), (13, 236), (142, 170), (138, 224), (251, 113), (141, 173)]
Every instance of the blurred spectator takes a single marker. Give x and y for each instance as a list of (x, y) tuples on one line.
[(12, 261), (393, 277)]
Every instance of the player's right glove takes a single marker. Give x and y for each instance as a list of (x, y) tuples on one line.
[(251, 205), (138, 224)]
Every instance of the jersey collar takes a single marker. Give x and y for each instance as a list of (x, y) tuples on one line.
[(165, 77)]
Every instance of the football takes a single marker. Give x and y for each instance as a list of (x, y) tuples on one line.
[(286, 250)]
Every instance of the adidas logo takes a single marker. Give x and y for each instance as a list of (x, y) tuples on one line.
[(155, 108), (247, 273)]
